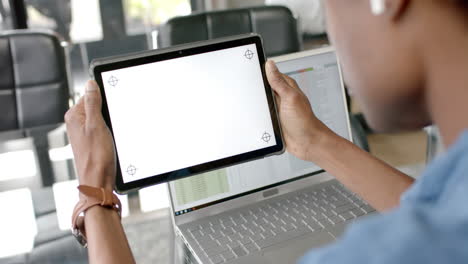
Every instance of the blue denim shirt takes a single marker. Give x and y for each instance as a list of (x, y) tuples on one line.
[(430, 226)]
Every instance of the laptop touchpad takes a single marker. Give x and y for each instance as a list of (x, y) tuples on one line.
[(291, 251)]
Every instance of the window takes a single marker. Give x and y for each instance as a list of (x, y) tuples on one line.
[(78, 21), (93, 26), (5, 15), (144, 15)]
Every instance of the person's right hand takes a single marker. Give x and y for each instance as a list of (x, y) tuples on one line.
[(302, 130)]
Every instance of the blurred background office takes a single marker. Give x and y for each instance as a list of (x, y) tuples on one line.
[(99, 28), (46, 47)]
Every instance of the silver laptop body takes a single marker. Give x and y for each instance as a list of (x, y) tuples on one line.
[(280, 207)]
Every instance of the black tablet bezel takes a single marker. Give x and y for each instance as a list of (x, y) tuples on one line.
[(100, 66)]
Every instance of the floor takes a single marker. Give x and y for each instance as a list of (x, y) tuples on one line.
[(405, 151), (150, 237)]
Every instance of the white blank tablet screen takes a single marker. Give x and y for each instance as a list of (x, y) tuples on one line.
[(183, 112)]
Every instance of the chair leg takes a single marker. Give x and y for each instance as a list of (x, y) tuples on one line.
[(359, 134)]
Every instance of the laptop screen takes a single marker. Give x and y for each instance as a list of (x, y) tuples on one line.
[(319, 77)]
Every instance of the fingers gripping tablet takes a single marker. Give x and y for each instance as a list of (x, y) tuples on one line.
[(187, 110)]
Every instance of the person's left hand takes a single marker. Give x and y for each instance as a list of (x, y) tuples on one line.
[(91, 140)]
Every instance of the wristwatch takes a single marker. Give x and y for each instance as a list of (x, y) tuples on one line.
[(89, 197)]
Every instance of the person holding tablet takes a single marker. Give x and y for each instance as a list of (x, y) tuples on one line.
[(404, 79), (193, 127)]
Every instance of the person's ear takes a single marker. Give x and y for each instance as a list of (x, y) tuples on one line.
[(391, 8)]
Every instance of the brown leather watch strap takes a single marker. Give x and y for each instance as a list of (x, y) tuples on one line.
[(89, 197)]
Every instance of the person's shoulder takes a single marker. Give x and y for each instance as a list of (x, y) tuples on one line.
[(456, 169), (455, 156), (412, 233), (441, 174)]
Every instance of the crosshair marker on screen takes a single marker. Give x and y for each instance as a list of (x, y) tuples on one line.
[(131, 170), (266, 137), (113, 81), (249, 54)]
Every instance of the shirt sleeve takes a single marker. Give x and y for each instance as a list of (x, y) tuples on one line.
[(406, 235)]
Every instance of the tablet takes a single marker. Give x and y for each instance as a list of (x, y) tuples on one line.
[(188, 109)]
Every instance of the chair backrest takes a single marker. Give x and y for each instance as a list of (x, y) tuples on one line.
[(34, 88), (435, 146), (276, 25)]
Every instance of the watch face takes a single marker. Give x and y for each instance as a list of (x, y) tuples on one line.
[(80, 237)]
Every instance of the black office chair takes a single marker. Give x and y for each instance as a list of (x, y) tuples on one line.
[(34, 89), (33, 80), (34, 96), (435, 146), (276, 24)]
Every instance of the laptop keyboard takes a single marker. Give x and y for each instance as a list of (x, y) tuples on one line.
[(250, 229)]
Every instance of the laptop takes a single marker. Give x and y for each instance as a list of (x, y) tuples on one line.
[(276, 209)]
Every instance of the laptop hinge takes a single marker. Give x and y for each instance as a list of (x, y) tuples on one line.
[(270, 192)]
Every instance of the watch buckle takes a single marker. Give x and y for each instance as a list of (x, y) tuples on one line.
[(79, 237)]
